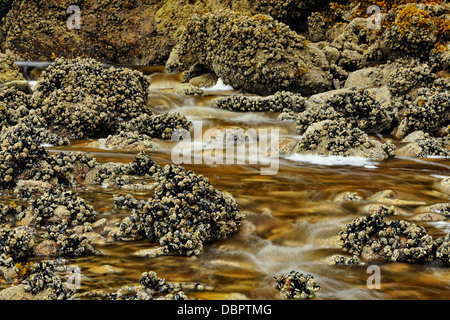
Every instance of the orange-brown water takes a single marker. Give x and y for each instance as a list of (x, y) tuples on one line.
[(291, 221)]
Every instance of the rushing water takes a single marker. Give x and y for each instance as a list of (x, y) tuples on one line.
[(291, 221)]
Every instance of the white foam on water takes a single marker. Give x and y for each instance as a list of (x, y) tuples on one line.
[(47, 145), (333, 160), (219, 86), (442, 225)]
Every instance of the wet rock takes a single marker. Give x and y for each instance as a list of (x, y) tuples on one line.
[(348, 196), (439, 208), (445, 185), (421, 145), (399, 240), (187, 89), (280, 102), (429, 217), (126, 140), (18, 292), (343, 260), (253, 53), (105, 269), (380, 209), (388, 197), (204, 81), (184, 213), (286, 146), (340, 138), (296, 286)]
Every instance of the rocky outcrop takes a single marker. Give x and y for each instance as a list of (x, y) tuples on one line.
[(254, 53), (110, 31)]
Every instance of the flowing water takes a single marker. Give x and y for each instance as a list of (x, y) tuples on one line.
[(291, 221)]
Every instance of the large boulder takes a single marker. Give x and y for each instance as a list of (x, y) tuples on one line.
[(254, 53), (111, 31)]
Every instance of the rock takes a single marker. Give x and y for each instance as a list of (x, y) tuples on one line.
[(339, 138), (100, 223), (421, 145), (439, 208), (18, 293), (9, 71), (46, 248), (80, 98), (94, 238), (204, 81), (286, 146), (253, 53), (388, 197), (111, 31), (296, 286), (187, 89), (105, 269), (279, 102), (347, 196), (368, 109), (380, 209), (373, 238), (429, 217), (445, 185), (364, 78), (443, 249)]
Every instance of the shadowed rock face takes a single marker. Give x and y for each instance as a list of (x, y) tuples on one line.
[(254, 53), (111, 31)]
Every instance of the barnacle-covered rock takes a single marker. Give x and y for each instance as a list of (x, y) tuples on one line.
[(254, 53), (185, 212), (296, 285), (443, 249), (14, 105), (161, 126), (279, 102), (18, 152), (82, 99), (407, 74), (398, 240), (57, 205), (44, 276), (127, 140), (419, 144), (68, 243), (9, 71), (409, 29), (343, 260), (358, 106), (17, 242), (340, 138), (429, 112)]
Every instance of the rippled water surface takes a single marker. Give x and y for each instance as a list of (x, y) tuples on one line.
[(291, 221)]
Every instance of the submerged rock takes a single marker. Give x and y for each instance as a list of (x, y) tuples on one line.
[(254, 53)]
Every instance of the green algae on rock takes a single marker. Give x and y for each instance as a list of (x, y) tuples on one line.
[(254, 53)]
